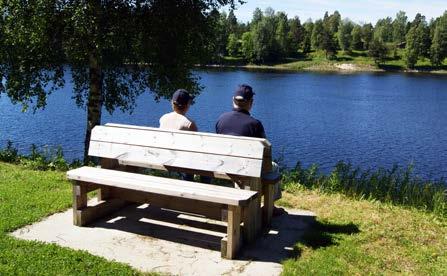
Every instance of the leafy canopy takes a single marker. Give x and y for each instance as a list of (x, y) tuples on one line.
[(137, 44)]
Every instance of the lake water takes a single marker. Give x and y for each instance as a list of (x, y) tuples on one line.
[(368, 119)]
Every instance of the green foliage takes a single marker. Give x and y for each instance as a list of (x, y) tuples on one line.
[(43, 160), (233, 45), (417, 41), (438, 50), (218, 44), (307, 38), (356, 34), (399, 27), (265, 44), (378, 51), (397, 185), (367, 35), (247, 46), (10, 154), (345, 35), (317, 35), (105, 45), (384, 30), (282, 34), (296, 36)]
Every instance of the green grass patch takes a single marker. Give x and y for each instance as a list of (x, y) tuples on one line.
[(26, 196), (360, 237), (396, 185)]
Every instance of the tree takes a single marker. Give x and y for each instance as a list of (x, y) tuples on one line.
[(356, 35), (295, 35), (317, 35), (329, 44), (367, 35), (282, 34), (265, 46), (417, 41), (438, 50), (344, 35), (257, 16), (307, 36), (333, 22), (219, 36), (233, 45), (104, 44), (384, 30), (411, 48), (399, 27), (232, 25), (247, 46), (377, 50)]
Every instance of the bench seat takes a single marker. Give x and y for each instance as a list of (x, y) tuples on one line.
[(163, 186)]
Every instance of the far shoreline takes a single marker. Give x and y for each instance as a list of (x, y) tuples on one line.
[(345, 68)]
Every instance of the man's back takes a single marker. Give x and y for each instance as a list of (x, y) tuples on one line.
[(239, 122)]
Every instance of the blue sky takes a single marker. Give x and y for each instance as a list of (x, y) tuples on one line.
[(357, 10)]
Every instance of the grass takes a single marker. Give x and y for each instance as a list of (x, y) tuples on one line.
[(359, 237), (26, 196), (316, 61), (350, 236), (396, 185)]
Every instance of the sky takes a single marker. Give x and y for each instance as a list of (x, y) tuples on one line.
[(359, 11)]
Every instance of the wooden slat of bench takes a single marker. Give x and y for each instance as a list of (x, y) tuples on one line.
[(145, 156), (265, 142), (159, 185), (183, 141)]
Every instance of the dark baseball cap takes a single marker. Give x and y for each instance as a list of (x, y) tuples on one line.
[(243, 92), (181, 97)]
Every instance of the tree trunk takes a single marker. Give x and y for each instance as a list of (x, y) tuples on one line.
[(94, 104)]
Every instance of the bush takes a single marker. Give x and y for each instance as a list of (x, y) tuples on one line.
[(44, 159), (10, 154)]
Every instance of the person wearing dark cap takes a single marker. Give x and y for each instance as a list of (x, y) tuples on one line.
[(239, 122), (177, 119)]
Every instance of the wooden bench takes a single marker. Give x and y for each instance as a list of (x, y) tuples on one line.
[(124, 150)]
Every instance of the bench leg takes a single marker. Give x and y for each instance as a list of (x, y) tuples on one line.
[(249, 218), (83, 214), (256, 185), (103, 193), (231, 243), (79, 202), (267, 211)]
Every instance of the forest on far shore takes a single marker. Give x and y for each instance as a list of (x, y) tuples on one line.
[(273, 37)]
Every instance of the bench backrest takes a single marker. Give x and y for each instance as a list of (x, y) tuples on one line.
[(198, 151)]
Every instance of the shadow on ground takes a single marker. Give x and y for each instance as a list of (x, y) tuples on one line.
[(321, 235), (276, 244)]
